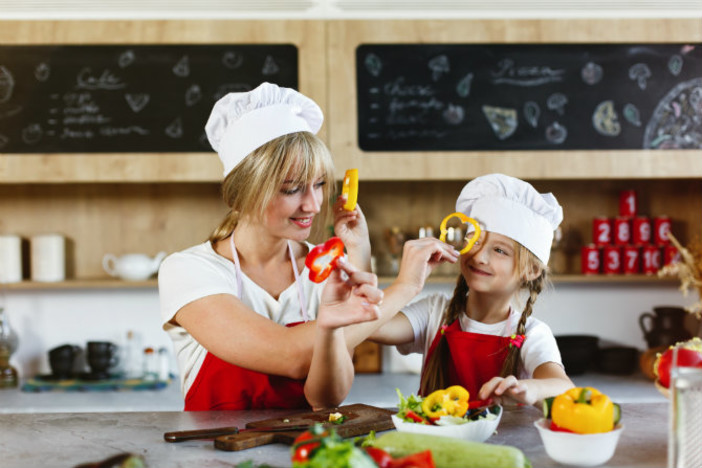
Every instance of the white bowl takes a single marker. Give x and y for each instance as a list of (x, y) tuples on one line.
[(478, 431), (578, 449)]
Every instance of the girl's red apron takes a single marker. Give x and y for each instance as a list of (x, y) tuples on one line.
[(475, 357), (220, 385)]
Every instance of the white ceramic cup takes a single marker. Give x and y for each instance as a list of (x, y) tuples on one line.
[(48, 257), (10, 258)]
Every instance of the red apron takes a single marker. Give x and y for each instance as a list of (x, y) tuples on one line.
[(475, 357), (220, 385)]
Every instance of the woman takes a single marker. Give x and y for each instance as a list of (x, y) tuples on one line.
[(231, 304)]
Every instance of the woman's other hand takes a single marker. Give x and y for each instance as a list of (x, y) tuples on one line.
[(349, 296), (352, 228)]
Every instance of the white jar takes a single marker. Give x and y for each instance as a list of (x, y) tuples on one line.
[(48, 257), (10, 258)]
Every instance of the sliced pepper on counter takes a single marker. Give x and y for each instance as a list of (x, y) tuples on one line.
[(584, 410), (452, 401), (464, 219), (350, 188), (322, 259)]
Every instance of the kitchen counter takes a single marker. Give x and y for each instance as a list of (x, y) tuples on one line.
[(372, 389), (67, 439)]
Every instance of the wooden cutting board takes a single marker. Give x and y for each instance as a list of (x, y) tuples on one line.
[(360, 420)]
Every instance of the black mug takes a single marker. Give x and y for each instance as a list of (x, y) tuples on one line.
[(62, 360), (101, 356)]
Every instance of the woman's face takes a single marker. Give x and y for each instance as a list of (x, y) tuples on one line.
[(490, 266), (292, 210)]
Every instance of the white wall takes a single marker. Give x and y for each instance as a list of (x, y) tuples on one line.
[(47, 318)]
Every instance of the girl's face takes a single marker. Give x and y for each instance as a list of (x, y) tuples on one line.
[(490, 266), (292, 210)]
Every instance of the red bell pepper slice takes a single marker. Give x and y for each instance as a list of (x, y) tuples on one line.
[(555, 427), (416, 460), (322, 259), (479, 403), (415, 417)]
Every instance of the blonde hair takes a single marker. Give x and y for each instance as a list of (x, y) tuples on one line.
[(251, 185), (435, 374)]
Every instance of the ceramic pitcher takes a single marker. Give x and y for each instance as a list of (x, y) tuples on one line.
[(665, 327)]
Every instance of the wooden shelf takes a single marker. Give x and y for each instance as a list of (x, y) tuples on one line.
[(565, 279), (84, 283)]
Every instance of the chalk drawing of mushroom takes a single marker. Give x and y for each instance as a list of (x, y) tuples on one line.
[(675, 64), (556, 133), (373, 64), (591, 73), (463, 86), (453, 114), (232, 59), (270, 67), (557, 102), (182, 68), (531, 113), (438, 66), (640, 72), (7, 84), (126, 58), (42, 72), (605, 119), (632, 114)]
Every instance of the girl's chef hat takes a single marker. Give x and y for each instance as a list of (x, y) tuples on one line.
[(241, 122), (513, 208)]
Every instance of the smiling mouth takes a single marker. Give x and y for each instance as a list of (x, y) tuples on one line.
[(303, 222), (477, 271)]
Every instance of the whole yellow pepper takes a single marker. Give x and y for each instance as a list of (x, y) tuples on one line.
[(583, 410), (450, 402)]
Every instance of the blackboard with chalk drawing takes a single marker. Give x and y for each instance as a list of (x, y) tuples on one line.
[(126, 98), (464, 97)]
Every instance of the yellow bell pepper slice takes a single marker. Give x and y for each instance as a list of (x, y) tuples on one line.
[(584, 410), (350, 189), (452, 401), (464, 219)]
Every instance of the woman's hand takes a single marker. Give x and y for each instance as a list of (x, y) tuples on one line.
[(420, 257), (349, 296), (352, 228)]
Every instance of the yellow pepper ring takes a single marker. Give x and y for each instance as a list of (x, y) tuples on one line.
[(465, 219), (450, 402), (350, 189)]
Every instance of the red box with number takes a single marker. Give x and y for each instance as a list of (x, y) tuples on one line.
[(641, 230), (590, 259), (661, 229), (631, 259), (601, 230), (627, 203), (622, 230), (671, 255), (611, 260), (650, 259)]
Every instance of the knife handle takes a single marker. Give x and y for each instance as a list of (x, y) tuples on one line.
[(180, 436)]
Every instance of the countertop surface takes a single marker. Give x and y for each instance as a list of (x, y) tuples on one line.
[(69, 439), (372, 389)]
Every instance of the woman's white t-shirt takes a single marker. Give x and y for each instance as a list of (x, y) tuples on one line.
[(198, 272), (425, 316)]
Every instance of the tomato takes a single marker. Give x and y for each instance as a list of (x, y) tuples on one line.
[(303, 449), (380, 457), (416, 460), (686, 358)]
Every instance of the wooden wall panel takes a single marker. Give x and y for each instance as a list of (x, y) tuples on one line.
[(345, 36)]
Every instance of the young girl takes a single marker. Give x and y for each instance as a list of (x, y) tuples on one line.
[(230, 304), (479, 338)]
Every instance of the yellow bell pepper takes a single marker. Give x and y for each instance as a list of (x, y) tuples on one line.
[(450, 402), (583, 410), (350, 189)]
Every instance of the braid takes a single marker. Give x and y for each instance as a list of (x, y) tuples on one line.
[(535, 287), (434, 376)]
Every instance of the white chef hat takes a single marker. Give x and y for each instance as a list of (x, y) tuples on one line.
[(513, 208), (241, 122)]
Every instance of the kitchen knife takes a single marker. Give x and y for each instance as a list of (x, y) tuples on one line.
[(180, 436)]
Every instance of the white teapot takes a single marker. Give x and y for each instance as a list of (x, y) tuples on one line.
[(133, 267)]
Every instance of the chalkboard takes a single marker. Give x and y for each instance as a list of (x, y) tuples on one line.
[(131, 98), (446, 97)]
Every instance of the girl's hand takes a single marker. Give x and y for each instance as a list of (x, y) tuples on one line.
[(507, 390), (351, 226), (420, 257), (349, 296)]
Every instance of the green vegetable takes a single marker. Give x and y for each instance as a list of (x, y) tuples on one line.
[(547, 404), (453, 453), (412, 403), (617, 413)]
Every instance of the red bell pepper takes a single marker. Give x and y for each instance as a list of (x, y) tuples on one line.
[(323, 258), (304, 445), (415, 460)]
